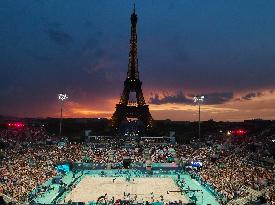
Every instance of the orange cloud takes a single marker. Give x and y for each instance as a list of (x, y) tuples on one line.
[(76, 109), (261, 106)]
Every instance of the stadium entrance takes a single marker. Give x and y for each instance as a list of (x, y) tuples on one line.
[(132, 128)]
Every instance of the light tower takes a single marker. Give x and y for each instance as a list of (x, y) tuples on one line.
[(61, 97), (199, 100)]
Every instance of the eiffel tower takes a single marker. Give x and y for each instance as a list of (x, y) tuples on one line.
[(128, 108)]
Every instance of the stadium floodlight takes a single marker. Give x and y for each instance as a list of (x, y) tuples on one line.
[(199, 100), (61, 97)]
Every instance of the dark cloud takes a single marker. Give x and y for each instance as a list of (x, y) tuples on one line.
[(97, 60), (250, 96), (180, 98), (94, 56), (91, 44), (182, 55), (218, 98), (42, 58), (88, 23), (59, 37)]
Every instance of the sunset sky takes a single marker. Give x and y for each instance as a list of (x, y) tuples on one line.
[(223, 49)]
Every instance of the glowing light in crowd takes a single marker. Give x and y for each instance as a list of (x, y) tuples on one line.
[(237, 132), (16, 124)]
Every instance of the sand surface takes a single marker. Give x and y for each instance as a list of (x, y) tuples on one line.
[(91, 188)]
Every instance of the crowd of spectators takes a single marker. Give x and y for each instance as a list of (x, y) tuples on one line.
[(270, 195), (227, 168), (30, 154), (161, 154)]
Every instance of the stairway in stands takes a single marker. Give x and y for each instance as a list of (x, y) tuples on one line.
[(252, 196), (147, 155)]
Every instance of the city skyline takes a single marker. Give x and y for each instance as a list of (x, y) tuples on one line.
[(220, 49)]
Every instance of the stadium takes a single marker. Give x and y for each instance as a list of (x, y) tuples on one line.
[(42, 168)]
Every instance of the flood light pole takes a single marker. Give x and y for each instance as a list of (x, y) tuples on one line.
[(61, 97), (199, 100)]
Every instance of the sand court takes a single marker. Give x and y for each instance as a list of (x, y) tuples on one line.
[(91, 188)]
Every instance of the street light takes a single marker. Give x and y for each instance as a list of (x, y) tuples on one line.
[(61, 97), (199, 100)]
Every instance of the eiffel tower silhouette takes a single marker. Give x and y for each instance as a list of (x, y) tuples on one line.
[(127, 108)]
